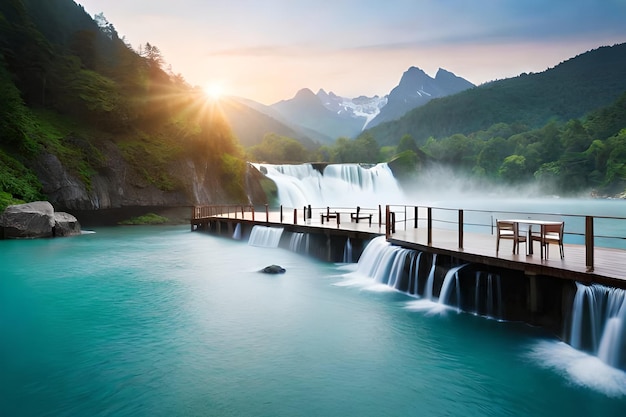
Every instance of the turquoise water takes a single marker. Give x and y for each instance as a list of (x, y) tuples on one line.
[(159, 321)]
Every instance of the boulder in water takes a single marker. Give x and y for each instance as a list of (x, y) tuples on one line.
[(29, 220), (273, 269), (65, 224), (35, 220)]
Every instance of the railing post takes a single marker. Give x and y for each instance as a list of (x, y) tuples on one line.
[(430, 225), (387, 226), (380, 215), (310, 212), (589, 244), (252, 208), (304, 214), (393, 222), (281, 213), (405, 218), (295, 216), (460, 229), (267, 214), (416, 214)]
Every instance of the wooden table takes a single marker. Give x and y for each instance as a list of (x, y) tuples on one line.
[(542, 225)]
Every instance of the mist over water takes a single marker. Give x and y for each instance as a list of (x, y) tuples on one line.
[(443, 186)]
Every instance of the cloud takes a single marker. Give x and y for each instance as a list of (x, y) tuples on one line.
[(268, 50)]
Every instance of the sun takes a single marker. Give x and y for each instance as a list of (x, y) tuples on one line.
[(214, 90)]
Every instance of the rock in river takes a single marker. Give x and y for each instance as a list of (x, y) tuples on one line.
[(273, 269), (36, 219)]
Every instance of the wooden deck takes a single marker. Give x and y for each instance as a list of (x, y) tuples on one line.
[(609, 269), (609, 266)]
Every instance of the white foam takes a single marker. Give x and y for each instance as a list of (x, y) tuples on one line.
[(427, 306), (579, 367)]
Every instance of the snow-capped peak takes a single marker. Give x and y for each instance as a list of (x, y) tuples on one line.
[(362, 107)]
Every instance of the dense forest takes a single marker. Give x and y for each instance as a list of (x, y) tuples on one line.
[(72, 88)]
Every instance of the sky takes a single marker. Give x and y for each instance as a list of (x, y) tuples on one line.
[(267, 50)]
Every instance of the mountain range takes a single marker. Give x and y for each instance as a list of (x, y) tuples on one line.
[(320, 118), (569, 90)]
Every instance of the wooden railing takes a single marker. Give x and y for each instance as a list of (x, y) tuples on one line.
[(579, 229), (306, 214)]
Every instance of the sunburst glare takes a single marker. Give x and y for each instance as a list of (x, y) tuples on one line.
[(214, 90)]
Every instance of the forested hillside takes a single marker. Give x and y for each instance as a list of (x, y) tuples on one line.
[(89, 122), (570, 90), (564, 129)]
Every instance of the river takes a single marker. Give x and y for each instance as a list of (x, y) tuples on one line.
[(161, 321)]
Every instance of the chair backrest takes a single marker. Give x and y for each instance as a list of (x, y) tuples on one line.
[(555, 228), (509, 226)]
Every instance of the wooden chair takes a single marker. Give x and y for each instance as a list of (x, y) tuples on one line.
[(329, 215), (553, 234), (355, 217), (510, 231)]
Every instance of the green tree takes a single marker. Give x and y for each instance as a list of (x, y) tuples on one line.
[(616, 162), (407, 143), (513, 169), (492, 155), (279, 149), (574, 137)]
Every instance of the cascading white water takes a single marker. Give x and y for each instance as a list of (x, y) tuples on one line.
[(340, 185), (384, 262), (451, 280), (237, 232), (347, 252), (486, 302), (299, 242), (413, 286), (268, 237), (430, 281), (599, 322)]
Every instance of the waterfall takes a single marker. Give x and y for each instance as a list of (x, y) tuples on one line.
[(299, 242), (451, 280), (430, 281), (598, 323), (413, 286), (383, 262), (268, 237), (237, 232), (340, 185), (490, 298), (347, 252)]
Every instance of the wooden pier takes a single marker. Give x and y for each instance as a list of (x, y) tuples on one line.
[(467, 235)]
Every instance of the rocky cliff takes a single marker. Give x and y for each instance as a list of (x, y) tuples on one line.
[(117, 184)]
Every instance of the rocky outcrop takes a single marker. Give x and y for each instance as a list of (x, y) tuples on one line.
[(36, 220), (117, 184), (65, 225)]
